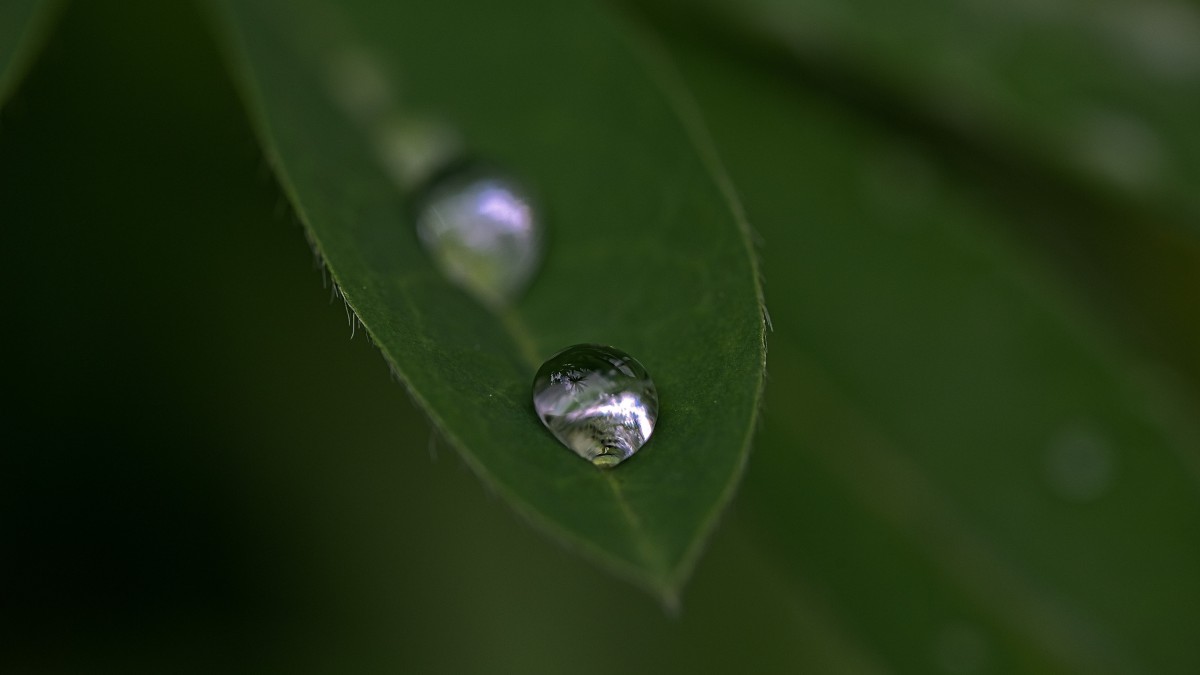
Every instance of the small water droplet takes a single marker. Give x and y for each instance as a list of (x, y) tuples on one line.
[(482, 231), (359, 85), (413, 148), (598, 401)]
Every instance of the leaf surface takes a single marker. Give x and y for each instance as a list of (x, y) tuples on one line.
[(646, 251)]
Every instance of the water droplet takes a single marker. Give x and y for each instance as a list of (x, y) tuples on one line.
[(482, 231), (413, 148), (599, 401), (359, 85)]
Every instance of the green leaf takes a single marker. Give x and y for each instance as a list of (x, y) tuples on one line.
[(1104, 95), (977, 475), (23, 24), (646, 249)]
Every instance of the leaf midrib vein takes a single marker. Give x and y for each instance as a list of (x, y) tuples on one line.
[(650, 553)]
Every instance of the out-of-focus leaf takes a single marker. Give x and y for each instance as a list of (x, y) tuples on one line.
[(22, 25), (646, 250), (976, 472), (1106, 91)]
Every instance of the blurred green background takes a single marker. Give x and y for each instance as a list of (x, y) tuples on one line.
[(203, 471)]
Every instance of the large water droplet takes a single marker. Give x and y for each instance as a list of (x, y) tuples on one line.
[(483, 232), (599, 401)]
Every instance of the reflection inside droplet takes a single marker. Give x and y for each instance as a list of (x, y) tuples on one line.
[(598, 401), (482, 231)]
